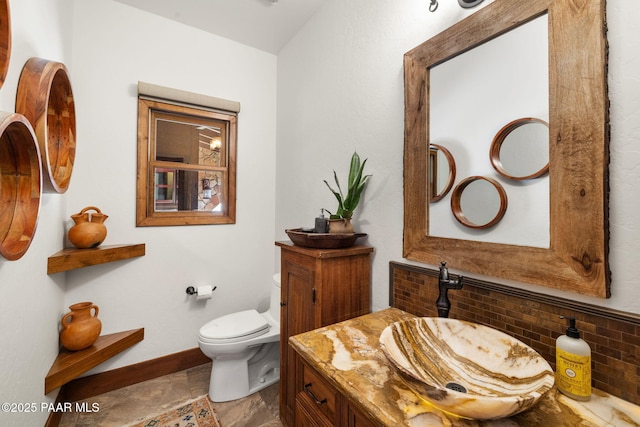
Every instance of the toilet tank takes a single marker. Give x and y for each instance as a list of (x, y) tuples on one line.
[(274, 307)]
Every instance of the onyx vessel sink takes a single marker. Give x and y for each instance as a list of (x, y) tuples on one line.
[(466, 369)]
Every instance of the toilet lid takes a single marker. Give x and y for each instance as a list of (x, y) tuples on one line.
[(235, 327)]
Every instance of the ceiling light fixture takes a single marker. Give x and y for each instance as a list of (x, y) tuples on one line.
[(463, 3)]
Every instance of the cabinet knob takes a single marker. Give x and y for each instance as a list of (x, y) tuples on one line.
[(282, 303)]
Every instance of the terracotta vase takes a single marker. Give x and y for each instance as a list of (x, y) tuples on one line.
[(80, 329), (89, 230), (341, 225)]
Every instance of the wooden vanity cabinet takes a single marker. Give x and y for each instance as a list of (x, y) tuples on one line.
[(319, 404), (319, 287)]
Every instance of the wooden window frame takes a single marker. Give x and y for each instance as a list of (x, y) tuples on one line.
[(146, 215)]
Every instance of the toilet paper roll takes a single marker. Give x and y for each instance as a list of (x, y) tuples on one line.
[(204, 292)]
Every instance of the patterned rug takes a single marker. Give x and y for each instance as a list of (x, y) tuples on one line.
[(196, 413)]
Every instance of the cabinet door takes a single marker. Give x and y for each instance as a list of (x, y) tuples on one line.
[(301, 301), (298, 315)]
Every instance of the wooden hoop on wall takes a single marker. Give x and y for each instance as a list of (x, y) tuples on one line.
[(496, 146), (20, 185), (5, 39), (456, 198), (45, 98), (450, 178)]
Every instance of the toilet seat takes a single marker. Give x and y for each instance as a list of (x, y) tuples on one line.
[(234, 327)]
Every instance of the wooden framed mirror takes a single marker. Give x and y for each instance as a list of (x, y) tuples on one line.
[(576, 259)]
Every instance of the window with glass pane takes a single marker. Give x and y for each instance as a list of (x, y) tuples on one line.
[(186, 164)]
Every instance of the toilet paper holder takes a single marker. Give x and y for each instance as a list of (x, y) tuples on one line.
[(191, 290)]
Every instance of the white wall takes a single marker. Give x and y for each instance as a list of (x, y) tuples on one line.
[(114, 46), (340, 88)]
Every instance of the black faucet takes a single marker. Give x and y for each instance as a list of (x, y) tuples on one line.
[(444, 284)]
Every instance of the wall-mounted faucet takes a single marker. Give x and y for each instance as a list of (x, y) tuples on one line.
[(444, 284)]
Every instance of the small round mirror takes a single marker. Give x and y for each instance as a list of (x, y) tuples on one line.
[(442, 172), (478, 202), (520, 150)]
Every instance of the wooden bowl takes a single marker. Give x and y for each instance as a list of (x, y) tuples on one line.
[(323, 240), (45, 98), (5, 39), (20, 185)]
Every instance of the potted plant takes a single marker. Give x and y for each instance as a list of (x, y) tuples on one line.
[(340, 221)]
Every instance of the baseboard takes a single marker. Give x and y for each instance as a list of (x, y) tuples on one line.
[(92, 385)]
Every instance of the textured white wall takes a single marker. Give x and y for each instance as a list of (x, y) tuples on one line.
[(114, 46), (340, 88)]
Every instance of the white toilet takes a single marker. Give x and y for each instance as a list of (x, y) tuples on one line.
[(245, 350)]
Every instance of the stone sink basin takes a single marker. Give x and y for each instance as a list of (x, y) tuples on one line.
[(466, 369)]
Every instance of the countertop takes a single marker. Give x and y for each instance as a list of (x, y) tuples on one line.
[(348, 355)]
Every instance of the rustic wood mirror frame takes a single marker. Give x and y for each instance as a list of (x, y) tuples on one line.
[(576, 260)]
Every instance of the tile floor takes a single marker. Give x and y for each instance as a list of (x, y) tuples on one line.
[(136, 402)]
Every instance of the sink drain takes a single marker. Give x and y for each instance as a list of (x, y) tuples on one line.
[(456, 387)]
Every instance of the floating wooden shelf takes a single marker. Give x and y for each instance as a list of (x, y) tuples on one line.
[(72, 258), (70, 364)]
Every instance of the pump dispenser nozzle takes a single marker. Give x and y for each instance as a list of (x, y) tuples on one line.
[(572, 331)]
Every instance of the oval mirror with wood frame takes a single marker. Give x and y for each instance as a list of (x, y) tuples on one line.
[(478, 202), (442, 172), (520, 150), (577, 257)]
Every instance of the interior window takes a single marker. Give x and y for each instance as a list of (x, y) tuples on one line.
[(186, 164)]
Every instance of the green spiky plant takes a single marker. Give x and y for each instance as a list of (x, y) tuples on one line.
[(347, 204)]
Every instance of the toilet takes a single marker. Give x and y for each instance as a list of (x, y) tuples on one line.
[(245, 350)]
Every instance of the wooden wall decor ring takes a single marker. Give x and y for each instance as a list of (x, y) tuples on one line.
[(5, 39), (456, 202), (45, 98), (496, 146), (20, 185)]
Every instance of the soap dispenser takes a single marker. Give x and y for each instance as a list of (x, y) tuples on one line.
[(321, 225), (573, 363)]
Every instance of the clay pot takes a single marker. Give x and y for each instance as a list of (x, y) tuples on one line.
[(341, 225), (80, 329), (89, 230)]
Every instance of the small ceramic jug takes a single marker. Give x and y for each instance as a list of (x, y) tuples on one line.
[(79, 328), (89, 230)]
